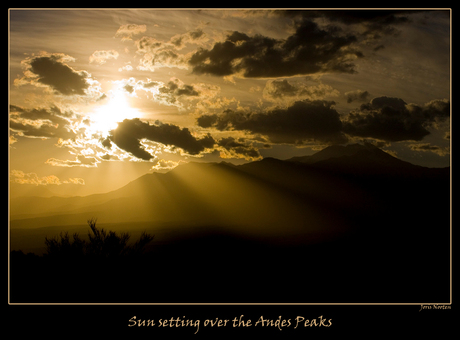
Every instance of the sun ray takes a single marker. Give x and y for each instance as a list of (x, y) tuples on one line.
[(106, 117)]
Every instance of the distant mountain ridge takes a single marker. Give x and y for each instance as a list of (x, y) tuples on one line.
[(251, 193)]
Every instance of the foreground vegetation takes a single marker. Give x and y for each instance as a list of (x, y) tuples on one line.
[(102, 245), (372, 265), (74, 269)]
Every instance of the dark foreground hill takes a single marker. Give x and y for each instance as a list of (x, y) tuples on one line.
[(349, 224)]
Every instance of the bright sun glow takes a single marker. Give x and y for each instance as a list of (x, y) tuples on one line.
[(106, 117)]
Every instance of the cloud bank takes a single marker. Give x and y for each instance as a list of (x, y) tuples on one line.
[(303, 120), (20, 177), (392, 119), (311, 49), (383, 118)]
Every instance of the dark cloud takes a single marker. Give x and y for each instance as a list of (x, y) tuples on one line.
[(239, 149), (169, 93), (391, 119), (382, 24), (179, 40), (357, 95), (374, 22), (385, 118), (279, 89), (106, 143), (167, 58), (106, 157), (174, 87), (129, 88), (52, 71), (156, 53), (371, 17), (196, 34), (207, 121), (344, 16), (427, 147), (303, 120), (369, 26), (384, 102), (309, 50), (148, 44), (128, 134), (166, 93), (152, 84), (51, 122), (433, 111)]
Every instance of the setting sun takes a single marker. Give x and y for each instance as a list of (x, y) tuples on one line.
[(107, 116)]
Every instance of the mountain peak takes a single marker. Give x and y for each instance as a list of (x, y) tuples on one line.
[(334, 151), (352, 155)]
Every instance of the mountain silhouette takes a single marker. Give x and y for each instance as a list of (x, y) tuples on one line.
[(352, 219), (192, 194)]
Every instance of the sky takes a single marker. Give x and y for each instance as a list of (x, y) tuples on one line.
[(98, 98)]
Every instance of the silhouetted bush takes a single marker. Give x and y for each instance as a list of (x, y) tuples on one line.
[(101, 245)]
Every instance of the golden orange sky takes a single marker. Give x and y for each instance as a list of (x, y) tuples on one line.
[(100, 97)]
